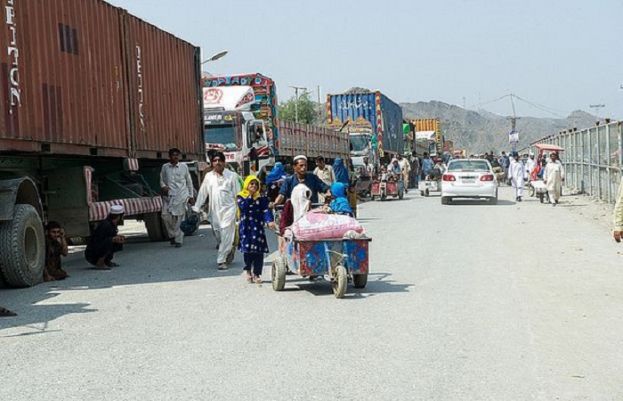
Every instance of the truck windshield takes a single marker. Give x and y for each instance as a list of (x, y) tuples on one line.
[(358, 143), (221, 134)]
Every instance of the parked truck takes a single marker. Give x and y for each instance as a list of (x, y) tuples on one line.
[(373, 123), (285, 139), (230, 126), (428, 136), (93, 98), (265, 105)]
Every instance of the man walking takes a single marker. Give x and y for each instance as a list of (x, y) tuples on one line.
[(530, 165), (220, 186), (177, 190), (516, 173), (405, 167), (427, 165), (553, 178)]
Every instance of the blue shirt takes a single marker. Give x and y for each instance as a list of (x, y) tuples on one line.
[(427, 165), (312, 182)]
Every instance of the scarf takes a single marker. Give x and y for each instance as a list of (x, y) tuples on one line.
[(341, 174), (276, 173), (245, 187)]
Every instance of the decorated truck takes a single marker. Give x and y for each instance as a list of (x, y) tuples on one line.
[(230, 126), (373, 123), (92, 99)]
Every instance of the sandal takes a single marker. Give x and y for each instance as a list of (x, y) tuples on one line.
[(257, 280)]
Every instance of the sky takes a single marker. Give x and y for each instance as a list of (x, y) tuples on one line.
[(561, 54)]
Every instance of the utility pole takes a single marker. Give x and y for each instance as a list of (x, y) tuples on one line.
[(513, 119), (296, 103), (596, 108)]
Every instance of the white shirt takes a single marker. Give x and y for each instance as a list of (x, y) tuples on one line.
[(327, 175), (177, 178), (221, 190)]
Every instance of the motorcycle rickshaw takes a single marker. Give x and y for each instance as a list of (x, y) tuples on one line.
[(386, 185)]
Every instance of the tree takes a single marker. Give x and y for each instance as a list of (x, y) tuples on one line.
[(307, 110)]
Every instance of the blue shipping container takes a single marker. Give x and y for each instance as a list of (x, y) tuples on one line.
[(384, 116)]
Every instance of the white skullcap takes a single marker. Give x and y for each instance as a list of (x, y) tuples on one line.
[(116, 209), (299, 157)]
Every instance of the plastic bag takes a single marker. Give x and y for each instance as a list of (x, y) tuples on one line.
[(316, 225)]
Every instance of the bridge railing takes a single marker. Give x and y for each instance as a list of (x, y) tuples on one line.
[(592, 158)]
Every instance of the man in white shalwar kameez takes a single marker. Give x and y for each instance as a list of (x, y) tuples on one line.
[(220, 186), (177, 189), (553, 177), (530, 165), (516, 174)]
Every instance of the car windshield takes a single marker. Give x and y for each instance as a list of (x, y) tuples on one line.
[(221, 134), (358, 143), (468, 165)]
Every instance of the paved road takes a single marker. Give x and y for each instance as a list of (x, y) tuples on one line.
[(466, 302)]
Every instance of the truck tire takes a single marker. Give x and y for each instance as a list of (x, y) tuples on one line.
[(155, 227), (22, 248)]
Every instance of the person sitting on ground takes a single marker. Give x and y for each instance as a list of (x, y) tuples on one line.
[(105, 241), (340, 204), (55, 247)]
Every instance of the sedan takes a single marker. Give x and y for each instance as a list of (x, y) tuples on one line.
[(469, 178)]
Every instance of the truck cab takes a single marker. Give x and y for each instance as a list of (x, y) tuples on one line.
[(229, 126)]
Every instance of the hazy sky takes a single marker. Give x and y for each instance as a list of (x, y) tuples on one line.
[(563, 54)]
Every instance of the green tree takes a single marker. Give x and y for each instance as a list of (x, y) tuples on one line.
[(307, 110)]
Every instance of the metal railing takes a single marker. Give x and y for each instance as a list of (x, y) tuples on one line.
[(592, 158)]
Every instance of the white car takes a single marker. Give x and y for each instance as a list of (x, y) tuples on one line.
[(469, 178)]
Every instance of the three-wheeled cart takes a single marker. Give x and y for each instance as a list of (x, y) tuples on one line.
[(382, 189), (342, 260), (427, 186)]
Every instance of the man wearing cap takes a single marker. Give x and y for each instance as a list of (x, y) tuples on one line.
[(177, 190), (105, 240), (302, 176), (220, 186)]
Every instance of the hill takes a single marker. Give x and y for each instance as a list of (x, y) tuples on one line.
[(482, 131)]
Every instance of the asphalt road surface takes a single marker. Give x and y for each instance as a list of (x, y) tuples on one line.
[(465, 302)]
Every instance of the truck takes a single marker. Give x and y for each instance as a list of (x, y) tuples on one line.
[(373, 123), (428, 136), (284, 139), (230, 126), (92, 100), (265, 106)]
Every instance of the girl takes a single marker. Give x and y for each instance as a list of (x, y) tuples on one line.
[(254, 212)]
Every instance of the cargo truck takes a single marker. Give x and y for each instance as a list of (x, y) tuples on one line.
[(373, 122), (429, 137), (285, 139), (265, 105), (230, 126), (92, 99)]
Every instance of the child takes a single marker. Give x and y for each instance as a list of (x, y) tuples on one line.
[(254, 212), (55, 247), (339, 204)]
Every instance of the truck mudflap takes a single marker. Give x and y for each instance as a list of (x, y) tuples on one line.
[(133, 206)]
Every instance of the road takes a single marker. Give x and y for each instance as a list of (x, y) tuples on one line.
[(465, 302)]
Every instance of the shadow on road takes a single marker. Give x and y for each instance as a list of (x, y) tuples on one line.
[(501, 202), (378, 283)]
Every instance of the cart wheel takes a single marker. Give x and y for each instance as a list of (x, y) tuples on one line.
[(541, 198), (401, 194), (421, 193), (340, 281), (531, 190), (278, 273), (383, 197), (427, 192), (360, 280)]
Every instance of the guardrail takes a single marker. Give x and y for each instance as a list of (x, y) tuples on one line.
[(592, 158)]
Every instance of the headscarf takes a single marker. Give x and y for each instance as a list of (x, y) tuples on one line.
[(300, 200), (341, 174), (276, 173), (340, 204), (245, 187)]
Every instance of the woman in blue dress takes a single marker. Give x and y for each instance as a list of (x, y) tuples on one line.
[(254, 212)]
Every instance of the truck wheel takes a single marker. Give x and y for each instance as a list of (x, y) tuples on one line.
[(155, 227), (22, 248), (340, 281), (360, 280)]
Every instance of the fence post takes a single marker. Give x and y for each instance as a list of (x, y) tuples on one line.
[(609, 167), (599, 189)]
